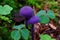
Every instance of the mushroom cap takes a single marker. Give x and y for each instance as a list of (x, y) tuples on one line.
[(33, 20), (26, 11)]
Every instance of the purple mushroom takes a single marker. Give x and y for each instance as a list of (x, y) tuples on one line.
[(26, 12), (33, 20)]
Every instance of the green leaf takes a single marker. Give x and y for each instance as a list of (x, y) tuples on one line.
[(25, 34), (15, 35), (5, 18), (53, 39), (40, 13), (5, 10), (19, 27), (7, 7), (45, 37), (31, 2), (44, 19), (51, 14)]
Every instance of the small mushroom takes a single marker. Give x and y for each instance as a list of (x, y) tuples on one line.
[(33, 20), (26, 12)]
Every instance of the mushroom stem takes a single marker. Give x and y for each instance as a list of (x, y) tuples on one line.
[(32, 31), (26, 24)]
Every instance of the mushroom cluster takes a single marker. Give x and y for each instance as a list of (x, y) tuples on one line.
[(28, 13)]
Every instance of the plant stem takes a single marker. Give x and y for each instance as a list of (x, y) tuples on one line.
[(32, 31)]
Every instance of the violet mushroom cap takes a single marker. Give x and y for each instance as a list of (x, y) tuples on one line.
[(26, 12), (33, 20)]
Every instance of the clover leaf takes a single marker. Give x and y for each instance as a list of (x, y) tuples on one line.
[(25, 34), (51, 14), (44, 16), (44, 19), (19, 27), (5, 10), (45, 37), (42, 12), (15, 35)]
